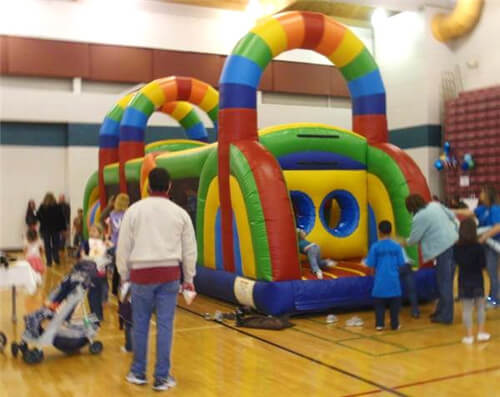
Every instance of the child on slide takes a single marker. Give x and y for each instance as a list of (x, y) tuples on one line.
[(313, 252)]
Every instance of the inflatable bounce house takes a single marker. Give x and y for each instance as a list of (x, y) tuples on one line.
[(252, 189)]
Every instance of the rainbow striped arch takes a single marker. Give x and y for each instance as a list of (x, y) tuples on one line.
[(307, 30), (109, 134), (238, 141), (158, 94), (184, 91)]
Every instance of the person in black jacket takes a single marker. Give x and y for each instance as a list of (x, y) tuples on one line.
[(30, 218), (471, 260), (66, 210), (52, 223)]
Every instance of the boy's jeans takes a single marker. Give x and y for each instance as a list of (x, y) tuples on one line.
[(162, 297), (394, 307), (314, 256)]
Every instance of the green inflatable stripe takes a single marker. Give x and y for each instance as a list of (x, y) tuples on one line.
[(116, 113), (213, 114), (244, 175), (189, 165), (361, 65), (91, 184), (384, 167), (287, 141), (172, 147), (111, 174), (208, 173), (190, 120), (254, 48), (133, 170), (142, 103)]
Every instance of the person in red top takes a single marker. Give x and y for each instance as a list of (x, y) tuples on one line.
[(156, 237)]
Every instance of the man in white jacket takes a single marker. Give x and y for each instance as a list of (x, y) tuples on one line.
[(156, 238)]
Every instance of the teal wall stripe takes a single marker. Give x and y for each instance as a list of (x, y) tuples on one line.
[(75, 134), (33, 134), (418, 136), (83, 134), (80, 134)]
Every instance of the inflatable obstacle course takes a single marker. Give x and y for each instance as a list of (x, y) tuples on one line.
[(255, 187)]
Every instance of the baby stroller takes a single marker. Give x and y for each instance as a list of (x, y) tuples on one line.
[(62, 330)]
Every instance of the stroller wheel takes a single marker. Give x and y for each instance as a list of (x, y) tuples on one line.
[(14, 349), (3, 341), (95, 347), (34, 356)]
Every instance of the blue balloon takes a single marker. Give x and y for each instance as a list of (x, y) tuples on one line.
[(465, 166), (447, 147), (439, 165), (468, 157)]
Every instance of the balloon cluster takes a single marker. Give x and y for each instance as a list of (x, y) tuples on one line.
[(467, 163), (446, 160)]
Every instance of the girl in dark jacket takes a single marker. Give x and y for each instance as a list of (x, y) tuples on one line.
[(52, 223), (30, 219), (470, 257)]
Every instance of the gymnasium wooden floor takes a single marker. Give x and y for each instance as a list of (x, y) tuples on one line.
[(311, 359)]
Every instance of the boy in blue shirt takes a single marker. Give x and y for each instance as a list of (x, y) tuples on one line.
[(386, 257)]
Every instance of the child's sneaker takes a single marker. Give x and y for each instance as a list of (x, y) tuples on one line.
[(319, 275), (354, 322), (330, 263), (379, 328), (483, 336), (136, 379), (331, 319), (164, 384), (468, 340)]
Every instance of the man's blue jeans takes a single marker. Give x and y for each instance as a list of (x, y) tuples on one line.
[(444, 264), (407, 279), (162, 298)]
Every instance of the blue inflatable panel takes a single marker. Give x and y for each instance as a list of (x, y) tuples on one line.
[(241, 70), (215, 283), (108, 141), (301, 296), (303, 207), (237, 96), (197, 132), (368, 84), (370, 104), (318, 161), (372, 227), (131, 134), (109, 127), (134, 118)]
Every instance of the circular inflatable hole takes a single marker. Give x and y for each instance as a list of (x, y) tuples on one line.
[(304, 210), (339, 213)]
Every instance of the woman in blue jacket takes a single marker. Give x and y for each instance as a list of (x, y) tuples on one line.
[(488, 215), (434, 227)]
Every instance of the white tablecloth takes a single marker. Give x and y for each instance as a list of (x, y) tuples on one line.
[(20, 274)]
